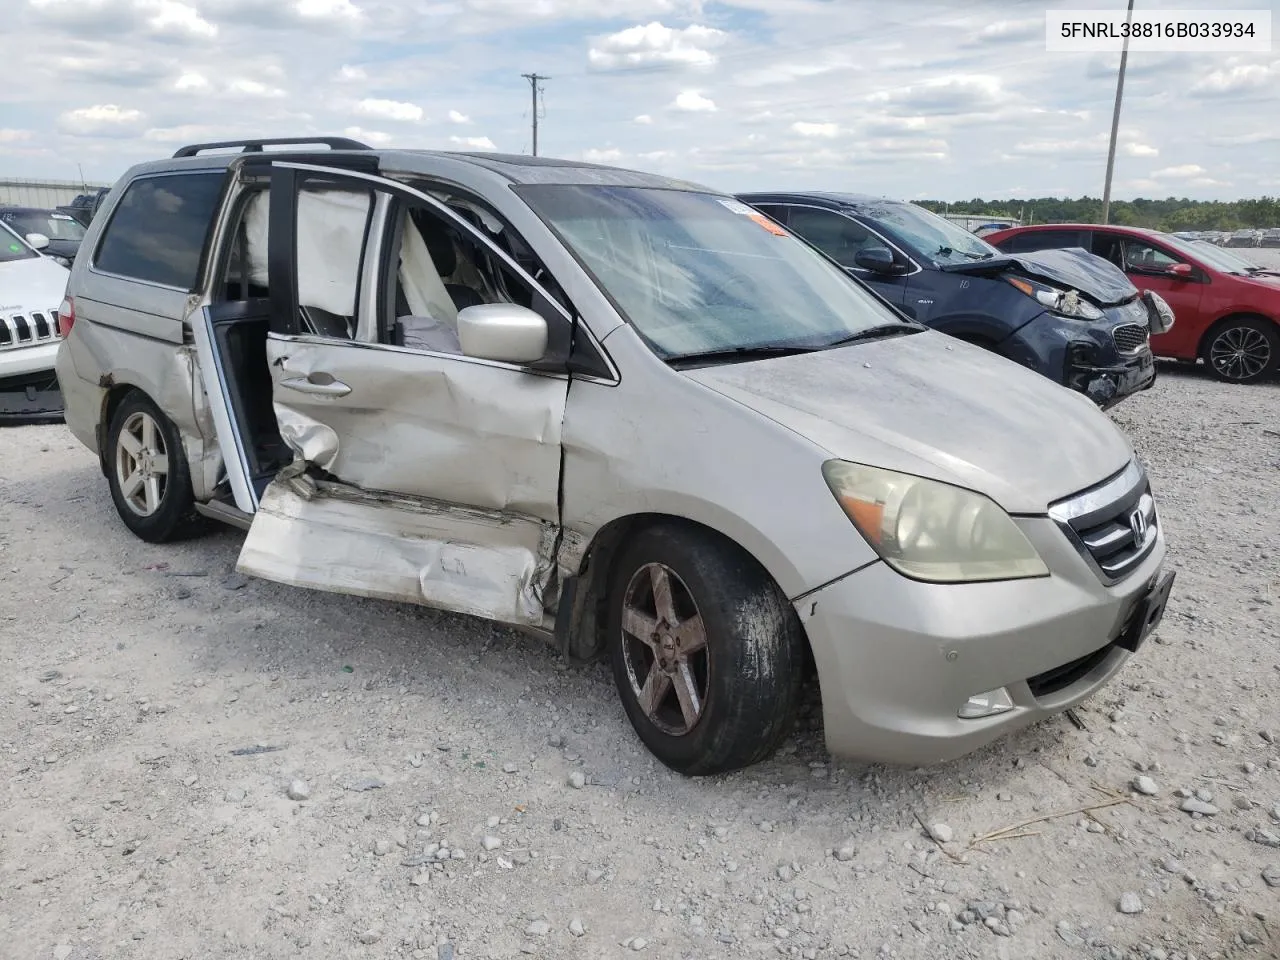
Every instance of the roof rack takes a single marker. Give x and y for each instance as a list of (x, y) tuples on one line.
[(255, 146)]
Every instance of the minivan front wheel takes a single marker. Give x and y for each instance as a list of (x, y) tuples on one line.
[(147, 472), (707, 653), (1243, 349)]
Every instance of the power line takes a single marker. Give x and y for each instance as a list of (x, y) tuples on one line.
[(535, 88)]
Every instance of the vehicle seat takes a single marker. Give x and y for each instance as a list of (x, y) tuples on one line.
[(445, 256)]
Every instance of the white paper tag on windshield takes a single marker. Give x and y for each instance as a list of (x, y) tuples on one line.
[(736, 206)]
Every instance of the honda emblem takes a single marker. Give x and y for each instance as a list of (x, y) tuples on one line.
[(1138, 524)]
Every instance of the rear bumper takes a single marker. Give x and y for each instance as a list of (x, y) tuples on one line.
[(897, 659)]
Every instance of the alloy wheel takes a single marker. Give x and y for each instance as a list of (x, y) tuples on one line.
[(1240, 353), (664, 649), (142, 464)]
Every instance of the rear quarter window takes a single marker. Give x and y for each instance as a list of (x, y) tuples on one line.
[(157, 231), (1044, 240)]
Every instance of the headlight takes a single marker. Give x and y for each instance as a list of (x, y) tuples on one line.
[(929, 530), (1161, 318), (1065, 303)]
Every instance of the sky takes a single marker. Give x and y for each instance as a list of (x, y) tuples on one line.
[(911, 99)]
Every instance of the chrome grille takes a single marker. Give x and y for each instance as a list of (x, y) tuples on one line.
[(1114, 525), (1129, 337), (28, 329)]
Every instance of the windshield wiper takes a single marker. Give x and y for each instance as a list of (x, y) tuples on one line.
[(739, 354), (878, 332)]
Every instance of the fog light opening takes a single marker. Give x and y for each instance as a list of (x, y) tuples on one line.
[(986, 705)]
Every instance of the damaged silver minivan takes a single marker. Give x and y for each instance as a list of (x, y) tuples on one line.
[(628, 413)]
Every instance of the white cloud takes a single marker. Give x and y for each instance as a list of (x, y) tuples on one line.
[(1236, 79), (474, 143), (10, 135), (692, 101), (186, 133), (1186, 171), (244, 87), (656, 43), (807, 129), (643, 118), (349, 74), (1008, 31), (326, 9), (608, 155), (103, 120), (456, 117), (899, 148), (1141, 150), (181, 20), (191, 81), (373, 137), (948, 95), (389, 110)]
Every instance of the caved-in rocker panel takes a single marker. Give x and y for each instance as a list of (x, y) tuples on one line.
[(333, 537)]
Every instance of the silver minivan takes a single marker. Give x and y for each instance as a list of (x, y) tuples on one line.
[(627, 413)]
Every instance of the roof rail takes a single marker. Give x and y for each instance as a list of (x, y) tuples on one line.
[(255, 146)]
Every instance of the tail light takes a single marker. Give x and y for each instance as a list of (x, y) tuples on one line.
[(66, 317)]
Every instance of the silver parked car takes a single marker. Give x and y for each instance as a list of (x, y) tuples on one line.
[(625, 412)]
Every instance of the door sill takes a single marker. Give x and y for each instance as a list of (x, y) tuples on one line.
[(225, 513)]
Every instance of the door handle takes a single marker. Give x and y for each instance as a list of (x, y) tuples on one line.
[(320, 384)]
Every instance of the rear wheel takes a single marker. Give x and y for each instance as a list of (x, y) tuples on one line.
[(147, 472), (1243, 349), (708, 655)]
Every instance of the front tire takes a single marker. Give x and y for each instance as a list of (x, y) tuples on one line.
[(148, 473), (708, 655), (1243, 350)]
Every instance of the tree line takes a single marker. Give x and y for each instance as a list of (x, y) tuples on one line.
[(1169, 215)]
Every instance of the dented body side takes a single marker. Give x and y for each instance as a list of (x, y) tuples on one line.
[(335, 537), (445, 428)]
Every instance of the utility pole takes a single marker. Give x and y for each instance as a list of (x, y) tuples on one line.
[(534, 90), (1115, 122)]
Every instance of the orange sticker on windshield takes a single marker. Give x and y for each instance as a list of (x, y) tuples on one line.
[(768, 224), (741, 208)]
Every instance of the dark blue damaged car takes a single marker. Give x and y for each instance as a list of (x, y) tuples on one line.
[(1066, 314)]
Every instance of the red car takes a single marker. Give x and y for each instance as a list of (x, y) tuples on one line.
[(1227, 311)]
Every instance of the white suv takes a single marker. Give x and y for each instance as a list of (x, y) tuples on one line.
[(31, 287)]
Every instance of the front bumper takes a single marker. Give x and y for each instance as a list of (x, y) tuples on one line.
[(28, 385), (897, 659)]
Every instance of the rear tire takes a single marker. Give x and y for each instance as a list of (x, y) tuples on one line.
[(1242, 349), (148, 474), (708, 655)]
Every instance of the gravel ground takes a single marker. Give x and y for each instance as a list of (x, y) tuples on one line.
[(200, 765)]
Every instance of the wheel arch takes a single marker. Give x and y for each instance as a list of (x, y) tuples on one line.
[(582, 624), (1202, 347)]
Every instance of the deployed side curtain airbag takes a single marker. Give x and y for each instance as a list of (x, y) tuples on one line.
[(330, 237)]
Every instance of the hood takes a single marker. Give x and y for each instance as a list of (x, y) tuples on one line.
[(933, 406), (35, 284), (1072, 269)]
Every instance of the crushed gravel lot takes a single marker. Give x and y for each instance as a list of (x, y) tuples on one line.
[(469, 795)]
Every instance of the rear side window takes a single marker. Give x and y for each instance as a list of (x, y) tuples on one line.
[(1034, 240), (157, 231)]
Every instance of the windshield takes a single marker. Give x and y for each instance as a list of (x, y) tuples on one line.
[(696, 273), (1216, 256), (932, 235), (55, 226), (12, 247)]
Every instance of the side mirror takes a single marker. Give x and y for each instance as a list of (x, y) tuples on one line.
[(38, 241), (878, 260), (506, 332), (1181, 271)]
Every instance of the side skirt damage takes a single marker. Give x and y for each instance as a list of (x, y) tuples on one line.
[(330, 536)]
